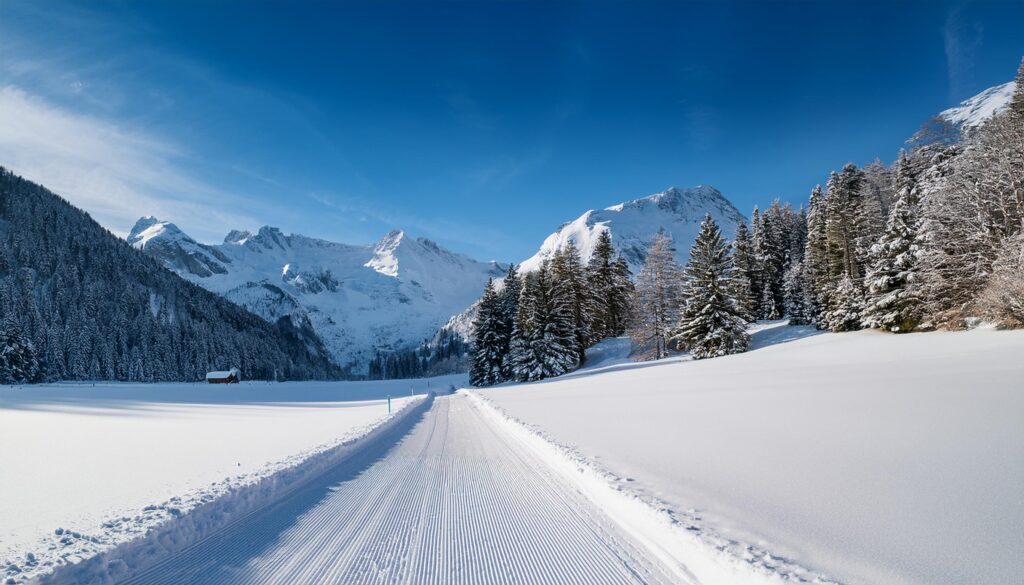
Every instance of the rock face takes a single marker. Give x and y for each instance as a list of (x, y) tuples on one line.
[(390, 296), (634, 224)]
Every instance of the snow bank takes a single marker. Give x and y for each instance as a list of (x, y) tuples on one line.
[(689, 550), (870, 457), (88, 468)]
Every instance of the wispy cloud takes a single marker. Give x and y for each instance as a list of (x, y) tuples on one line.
[(961, 41), (115, 173)]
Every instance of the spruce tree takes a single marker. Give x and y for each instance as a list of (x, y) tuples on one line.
[(757, 245), (816, 254), (846, 306), (560, 346), (489, 340), (610, 286), (798, 295), (743, 261), (569, 292), (508, 302), (18, 361), (893, 300), (712, 322), (523, 361)]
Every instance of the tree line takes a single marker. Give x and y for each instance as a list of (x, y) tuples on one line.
[(78, 303), (934, 241)]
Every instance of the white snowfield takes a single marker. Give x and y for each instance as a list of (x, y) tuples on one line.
[(867, 457), (86, 468), (444, 496)]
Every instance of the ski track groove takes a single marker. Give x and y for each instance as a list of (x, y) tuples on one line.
[(453, 500)]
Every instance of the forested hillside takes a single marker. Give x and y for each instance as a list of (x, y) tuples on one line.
[(78, 303)]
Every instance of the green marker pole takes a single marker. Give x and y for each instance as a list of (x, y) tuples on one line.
[(389, 405)]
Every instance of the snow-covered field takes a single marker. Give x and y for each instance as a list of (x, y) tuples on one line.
[(85, 467), (870, 457)]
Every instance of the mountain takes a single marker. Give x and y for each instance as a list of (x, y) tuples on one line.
[(357, 299), (973, 112), (94, 308), (952, 125), (634, 224)]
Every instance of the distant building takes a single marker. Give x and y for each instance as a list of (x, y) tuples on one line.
[(232, 376)]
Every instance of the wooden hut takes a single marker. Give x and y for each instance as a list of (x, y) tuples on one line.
[(232, 376)]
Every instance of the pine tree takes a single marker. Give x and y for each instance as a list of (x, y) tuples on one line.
[(845, 310), (771, 247), (543, 341), (893, 301), (756, 272), (18, 361), (816, 254), (569, 292), (490, 343), (508, 301), (610, 287), (712, 322), (560, 347), (524, 363), (656, 301), (799, 304), (743, 260)]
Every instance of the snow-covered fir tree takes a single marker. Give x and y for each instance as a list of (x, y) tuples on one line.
[(893, 282), (18, 361), (611, 287), (523, 362), (544, 339), (770, 246), (656, 301), (490, 340), (743, 271), (799, 301), (508, 301), (816, 254), (712, 322), (569, 293), (846, 306)]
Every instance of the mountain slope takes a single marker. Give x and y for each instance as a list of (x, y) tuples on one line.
[(359, 300), (634, 224), (975, 111), (94, 308)]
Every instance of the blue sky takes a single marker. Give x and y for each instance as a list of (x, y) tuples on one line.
[(480, 125)]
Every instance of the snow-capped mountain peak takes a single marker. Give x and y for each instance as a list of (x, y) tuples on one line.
[(358, 299), (633, 225), (150, 228), (975, 111), (385, 259)]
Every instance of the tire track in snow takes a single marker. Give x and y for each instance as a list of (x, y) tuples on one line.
[(452, 501)]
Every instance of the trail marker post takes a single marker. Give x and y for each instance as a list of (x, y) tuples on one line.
[(389, 405)]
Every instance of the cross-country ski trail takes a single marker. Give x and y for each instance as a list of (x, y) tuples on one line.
[(445, 498)]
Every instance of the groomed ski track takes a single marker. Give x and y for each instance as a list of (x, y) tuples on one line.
[(445, 498)]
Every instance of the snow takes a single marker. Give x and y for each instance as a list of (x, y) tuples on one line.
[(635, 223), (867, 457), (87, 467), (440, 496), (973, 112), (359, 299)]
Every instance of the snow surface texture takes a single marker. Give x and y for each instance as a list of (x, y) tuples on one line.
[(87, 468), (975, 111), (443, 496), (691, 553), (635, 223), (358, 299), (870, 457)]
